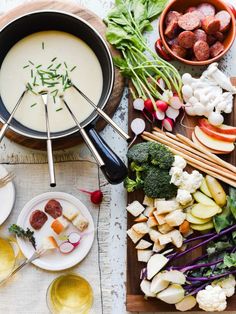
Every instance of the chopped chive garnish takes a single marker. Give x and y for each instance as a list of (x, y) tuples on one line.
[(33, 105), (34, 83), (55, 92), (31, 62), (50, 66), (26, 66), (65, 64), (59, 109), (43, 45), (73, 68), (58, 66), (32, 73), (53, 59), (54, 99), (38, 66)]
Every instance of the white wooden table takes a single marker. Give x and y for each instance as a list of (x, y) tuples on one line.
[(117, 250)]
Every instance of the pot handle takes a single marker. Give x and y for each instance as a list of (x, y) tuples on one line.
[(160, 50), (114, 169), (232, 8)]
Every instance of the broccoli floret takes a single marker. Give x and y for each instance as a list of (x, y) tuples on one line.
[(139, 167), (132, 185), (139, 152), (157, 184), (161, 156)]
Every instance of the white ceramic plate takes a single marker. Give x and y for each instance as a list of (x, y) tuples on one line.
[(54, 260), (7, 197)]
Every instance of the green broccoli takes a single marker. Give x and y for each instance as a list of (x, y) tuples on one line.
[(132, 185), (139, 152), (157, 184), (161, 156)]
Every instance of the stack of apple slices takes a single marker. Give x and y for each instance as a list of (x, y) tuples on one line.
[(218, 140)]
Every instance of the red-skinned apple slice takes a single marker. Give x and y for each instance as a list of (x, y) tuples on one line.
[(224, 129), (213, 143), (218, 136), (196, 141)]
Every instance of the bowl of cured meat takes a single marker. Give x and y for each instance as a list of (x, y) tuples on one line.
[(196, 32)]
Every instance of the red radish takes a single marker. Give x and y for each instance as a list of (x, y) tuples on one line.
[(74, 238), (168, 124), (95, 196), (66, 247), (138, 104), (161, 83), (148, 104), (162, 105), (172, 113), (175, 102), (159, 115)]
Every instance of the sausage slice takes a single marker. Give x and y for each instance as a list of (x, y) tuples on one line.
[(200, 35), (189, 21), (225, 18), (37, 219), (179, 51), (172, 29), (53, 208), (201, 50), (211, 25), (216, 49), (186, 39), (207, 9), (172, 16)]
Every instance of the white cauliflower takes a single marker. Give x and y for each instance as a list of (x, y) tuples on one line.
[(176, 175), (179, 162), (212, 299), (227, 284), (191, 182), (183, 197)]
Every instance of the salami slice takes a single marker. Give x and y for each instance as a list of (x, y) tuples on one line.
[(53, 208), (225, 19), (37, 219)]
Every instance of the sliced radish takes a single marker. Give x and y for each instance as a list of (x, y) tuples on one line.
[(168, 124), (143, 273), (138, 104), (74, 238), (172, 113), (159, 115), (175, 102), (148, 104), (66, 247), (162, 105)]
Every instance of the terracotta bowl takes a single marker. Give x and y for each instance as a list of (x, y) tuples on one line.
[(181, 6)]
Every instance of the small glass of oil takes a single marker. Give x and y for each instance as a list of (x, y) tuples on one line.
[(69, 294), (7, 258)]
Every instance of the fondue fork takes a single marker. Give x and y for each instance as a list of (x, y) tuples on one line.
[(103, 114), (6, 124), (49, 141), (85, 136)]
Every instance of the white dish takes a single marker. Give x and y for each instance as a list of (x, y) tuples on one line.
[(7, 197), (55, 260)]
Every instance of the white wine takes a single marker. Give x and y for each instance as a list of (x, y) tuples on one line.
[(7, 259), (70, 294)]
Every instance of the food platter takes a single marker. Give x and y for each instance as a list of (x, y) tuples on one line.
[(55, 261)]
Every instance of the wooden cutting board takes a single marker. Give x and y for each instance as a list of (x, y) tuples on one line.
[(96, 22), (135, 301)]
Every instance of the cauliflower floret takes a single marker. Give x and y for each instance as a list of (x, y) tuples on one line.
[(179, 162), (212, 299), (176, 175), (183, 197), (227, 284), (191, 182)]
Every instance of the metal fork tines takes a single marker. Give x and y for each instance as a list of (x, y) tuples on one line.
[(6, 179)]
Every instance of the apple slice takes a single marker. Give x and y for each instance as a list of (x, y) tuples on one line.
[(216, 135), (224, 129), (196, 141), (213, 143)]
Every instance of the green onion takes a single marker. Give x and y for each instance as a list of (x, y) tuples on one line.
[(65, 64), (25, 66), (53, 59), (58, 66), (59, 109), (38, 66), (33, 105), (73, 68)]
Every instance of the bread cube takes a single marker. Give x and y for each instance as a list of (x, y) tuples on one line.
[(135, 208), (154, 235), (164, 207), (152, 222), (144, 255), (134, 236), (165, 228), (177, 238), (157, 247), (165, 239), (141, 218), (159, 218), (148, 212), (175, 218), (141, 227), (148, 201), (143, 245)]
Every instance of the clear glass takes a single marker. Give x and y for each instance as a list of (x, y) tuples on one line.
[(69, 294), (7, 258)]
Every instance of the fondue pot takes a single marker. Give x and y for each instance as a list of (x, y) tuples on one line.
[(112, 166)]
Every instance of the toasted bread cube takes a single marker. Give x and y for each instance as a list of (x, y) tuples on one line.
[(141, 218), (177, 238), (134, 236), (157, 247), (148, 201), (80, 222), (70, 213), (149, 211), (135, 208), (165, 239), (59, 225), (159, 218), (164, 207), (154, 235), (143, 245), (49, 243), (165, 228), (141, 227), (175, 218), (144, 255), (152, 222)]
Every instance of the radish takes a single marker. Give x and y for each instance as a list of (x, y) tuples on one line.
[(155, 264), (172, 113), (161, 83), (161, 105), (74, 238), (168, 124), (66, 247), (159, 115), (148, 105), (138, 104), (175, 102), (95, 196), (137, 126)]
